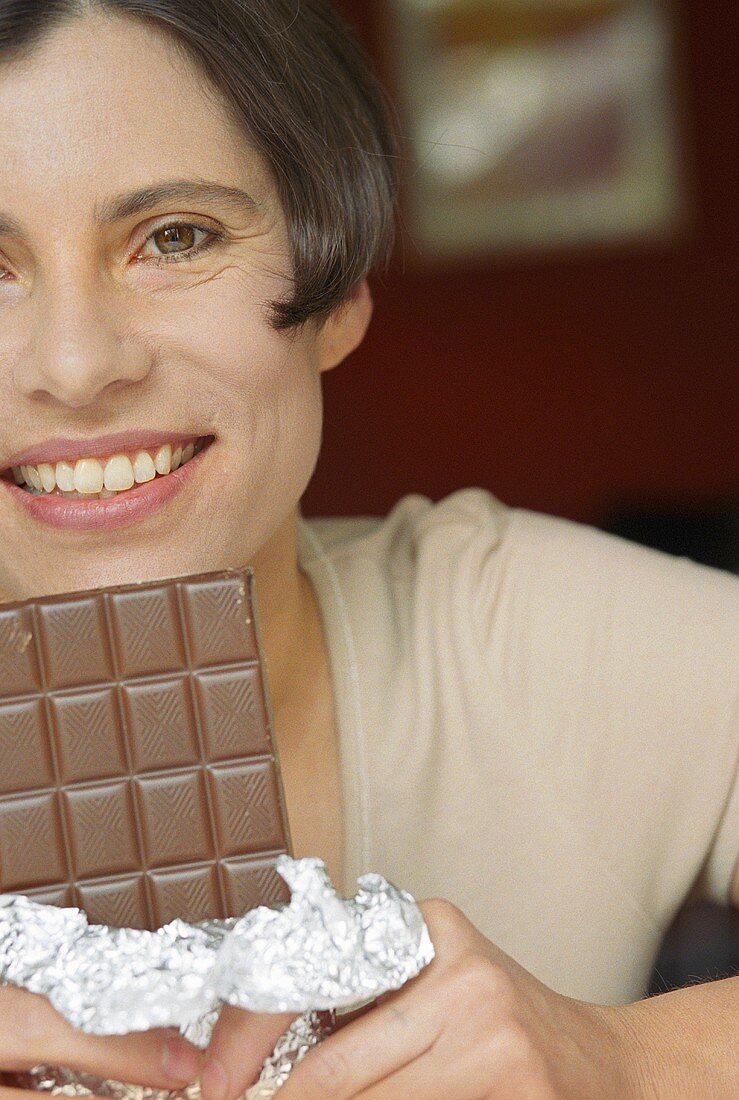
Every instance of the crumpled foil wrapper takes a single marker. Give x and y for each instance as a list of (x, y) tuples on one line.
[(303, 1033), (315, 955)]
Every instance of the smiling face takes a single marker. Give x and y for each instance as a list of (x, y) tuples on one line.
[(136, 336)]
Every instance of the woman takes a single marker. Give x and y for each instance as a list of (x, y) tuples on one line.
[(476, 701)]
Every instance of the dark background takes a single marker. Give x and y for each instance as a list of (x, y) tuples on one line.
[(569, 384), (598, 386)]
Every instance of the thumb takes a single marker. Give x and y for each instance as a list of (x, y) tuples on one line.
[(20, 1094), (239, 1045), (33, 1033)]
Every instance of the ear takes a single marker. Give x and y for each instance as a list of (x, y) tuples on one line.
[(345, 329)]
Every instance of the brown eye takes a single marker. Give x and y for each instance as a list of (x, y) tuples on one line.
[(177, 242), (175, 238)]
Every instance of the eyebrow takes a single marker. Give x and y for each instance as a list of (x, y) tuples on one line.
[(180, 190)]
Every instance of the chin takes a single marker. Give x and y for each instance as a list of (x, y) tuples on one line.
[(130, 569)]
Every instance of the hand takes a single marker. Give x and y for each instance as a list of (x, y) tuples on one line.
[(33, 1033), (473, 1026)]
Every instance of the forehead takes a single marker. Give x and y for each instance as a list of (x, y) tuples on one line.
[(106, 100)]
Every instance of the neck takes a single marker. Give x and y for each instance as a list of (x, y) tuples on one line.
[(305, 728), (286, 613)]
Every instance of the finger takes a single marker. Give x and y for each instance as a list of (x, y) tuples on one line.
[(434, 1077), (39, 1035), (428, 1078), (452, 933), (437, 1079), (367, 1051), (22, 1094), (240, 1042)]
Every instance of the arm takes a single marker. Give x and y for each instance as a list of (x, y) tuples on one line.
[(689, 1039), (685, 1043)]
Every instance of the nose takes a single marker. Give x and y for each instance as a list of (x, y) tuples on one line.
[(80, 348)]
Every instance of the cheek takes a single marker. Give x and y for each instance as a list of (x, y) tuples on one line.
[(252, 371), (218, 332), (258, 389)]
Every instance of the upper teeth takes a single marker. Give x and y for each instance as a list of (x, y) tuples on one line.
[(91, 476)]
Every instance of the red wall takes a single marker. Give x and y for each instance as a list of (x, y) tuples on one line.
[(562, 384)]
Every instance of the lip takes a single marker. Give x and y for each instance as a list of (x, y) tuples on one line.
[(58, 449), (121, 511)]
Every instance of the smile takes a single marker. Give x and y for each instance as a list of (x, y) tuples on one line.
[(88, 492), (103, 479)]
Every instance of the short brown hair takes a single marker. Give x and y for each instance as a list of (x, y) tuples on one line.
[(303, 90)]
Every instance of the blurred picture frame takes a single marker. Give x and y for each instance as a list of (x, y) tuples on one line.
[(538, 124)]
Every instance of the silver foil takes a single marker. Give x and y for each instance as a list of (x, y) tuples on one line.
[(291, 1048), (315, 955)]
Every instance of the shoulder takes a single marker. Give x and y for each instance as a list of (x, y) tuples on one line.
[(546, 602), (577, 548), (500, 559), (412, 567), (414, 527), (651, 603)]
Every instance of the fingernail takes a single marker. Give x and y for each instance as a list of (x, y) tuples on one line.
[(214, 1081), (181, 1062)]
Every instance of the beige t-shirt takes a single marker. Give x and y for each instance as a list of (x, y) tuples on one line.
[(537, 721)]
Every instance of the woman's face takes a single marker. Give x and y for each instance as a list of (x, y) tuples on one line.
[(124, 333)]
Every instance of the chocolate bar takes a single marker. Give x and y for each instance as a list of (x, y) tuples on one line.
[(139, 777)]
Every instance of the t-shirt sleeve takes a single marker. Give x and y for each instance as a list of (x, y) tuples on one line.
[(621, 663)]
